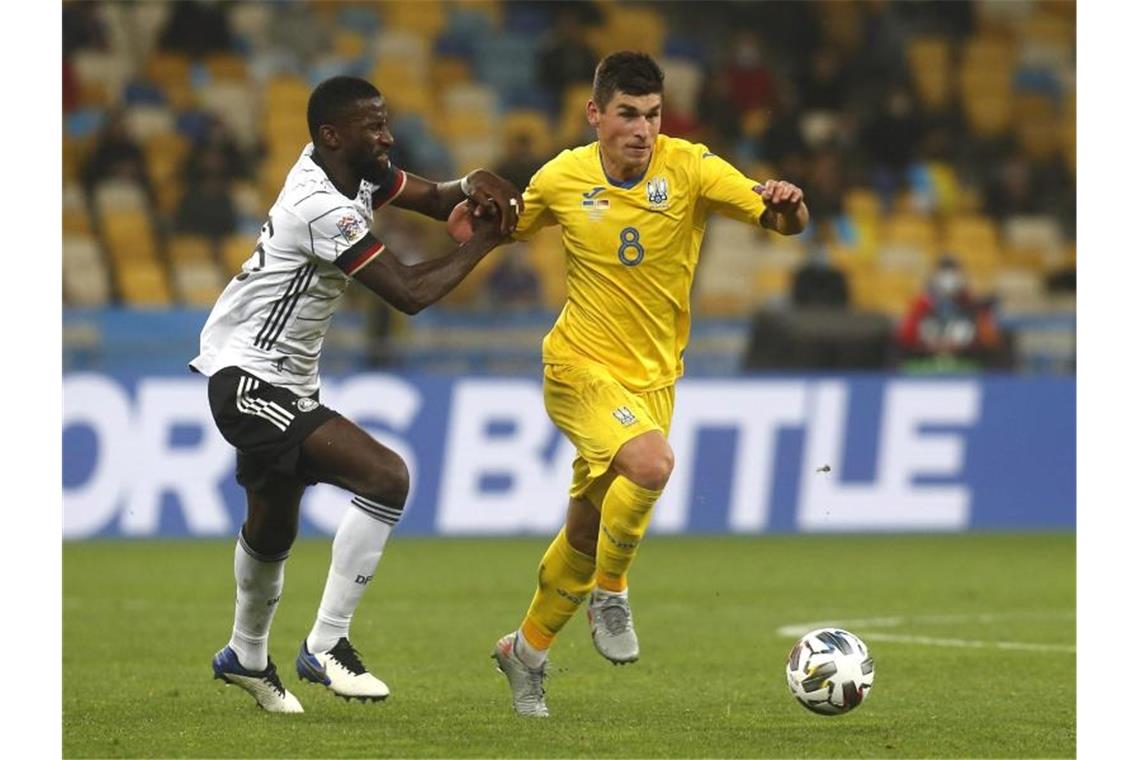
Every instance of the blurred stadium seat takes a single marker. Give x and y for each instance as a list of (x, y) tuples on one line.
[(85, 280)]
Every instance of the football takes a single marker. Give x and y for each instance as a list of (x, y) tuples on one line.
[(830, 671)]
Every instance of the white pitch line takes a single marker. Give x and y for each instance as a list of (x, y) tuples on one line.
[(969, 643), (795, 630)]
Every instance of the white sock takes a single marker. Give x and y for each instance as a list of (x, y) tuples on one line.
[(531, 657), (356, 550), (259, 582)]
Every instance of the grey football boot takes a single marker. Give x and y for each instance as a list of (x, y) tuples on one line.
[(611, 626), (527, 693)]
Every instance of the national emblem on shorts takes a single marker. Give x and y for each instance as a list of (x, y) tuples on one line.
[(624, 416), (658, 191), (306, 404)]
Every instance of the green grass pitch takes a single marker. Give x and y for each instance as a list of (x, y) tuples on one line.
[(973, 638)]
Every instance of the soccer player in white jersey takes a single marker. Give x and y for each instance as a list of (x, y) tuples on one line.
[(260, 348)]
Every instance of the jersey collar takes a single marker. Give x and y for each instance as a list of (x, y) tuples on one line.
[(632, 182)]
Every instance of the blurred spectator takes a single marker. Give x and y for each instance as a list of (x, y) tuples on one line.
[(71, 87), (299, 36), (513, 283), (519, 163), (825, 84), (824, 185), (948, 324), (222, 148), (891, 138), (819, 284), (83, 27), (564, 57), (207, 207), (719, 117), (750, 81), (197, 27), (116, 155)]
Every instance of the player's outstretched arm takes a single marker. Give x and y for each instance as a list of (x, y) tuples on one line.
[(495, 197), (786, 211), (413, 288)]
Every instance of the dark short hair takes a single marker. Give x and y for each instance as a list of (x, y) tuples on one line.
[(333, 97), (627, 71)]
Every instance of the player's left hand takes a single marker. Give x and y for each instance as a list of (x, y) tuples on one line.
[(495, 195), (780, 196)]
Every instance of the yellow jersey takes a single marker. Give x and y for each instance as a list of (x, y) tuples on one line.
[(631, 253)]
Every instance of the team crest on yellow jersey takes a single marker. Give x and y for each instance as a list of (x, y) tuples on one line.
[(657, 190)]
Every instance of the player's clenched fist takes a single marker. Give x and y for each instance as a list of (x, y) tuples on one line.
[(493, 193), (464, 222), (780, 196)]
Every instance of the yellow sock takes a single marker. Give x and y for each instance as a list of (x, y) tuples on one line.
[(625, 518), (565, 578)]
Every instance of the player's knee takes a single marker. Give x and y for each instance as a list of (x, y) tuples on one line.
[(388, 484), (652, 471)]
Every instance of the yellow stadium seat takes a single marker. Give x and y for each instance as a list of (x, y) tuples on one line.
[(426, 17), (447, 71), (862, 203), (629, 28), (236, 249), (893, 291), (1034, 242), (911, 230), (988, 115), (143, 284), (348, 44), (224, 67), (188, 248), (168, 69), (129, 237), (534, 125), (974, 241), (198, 283), (286, 92), (85, 279), (771, 283), (928, 59)]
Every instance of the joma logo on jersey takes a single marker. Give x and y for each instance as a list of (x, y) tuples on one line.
[(594, 206), (657, 190), (624, 416)]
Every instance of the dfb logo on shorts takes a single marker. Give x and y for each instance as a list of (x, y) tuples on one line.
[(306, 404), (624, 416)]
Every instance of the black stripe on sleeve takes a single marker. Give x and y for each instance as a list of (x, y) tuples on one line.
[(358, 254)]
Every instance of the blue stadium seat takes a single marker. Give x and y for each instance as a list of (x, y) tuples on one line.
[(84, 122), (359, 19), (506, 61), (527, 18), (468, 22), (680, 46), (143, 92)]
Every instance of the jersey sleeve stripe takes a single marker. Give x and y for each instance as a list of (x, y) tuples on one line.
[(381, 198), (354, 258)]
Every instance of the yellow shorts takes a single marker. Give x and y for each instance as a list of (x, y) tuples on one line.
[(599, 415)]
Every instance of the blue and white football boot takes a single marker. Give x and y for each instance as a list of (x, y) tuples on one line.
[(341, 671), (263, 685)]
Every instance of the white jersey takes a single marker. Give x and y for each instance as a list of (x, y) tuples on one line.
[(272, 317)]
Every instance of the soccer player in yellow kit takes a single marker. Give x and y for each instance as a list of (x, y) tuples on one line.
[(633, 207)]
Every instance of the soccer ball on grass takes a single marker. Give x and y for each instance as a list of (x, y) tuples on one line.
[(830, 671)]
